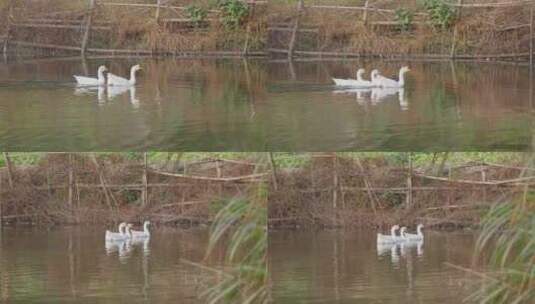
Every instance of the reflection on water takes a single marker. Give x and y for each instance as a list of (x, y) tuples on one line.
[(349, 267), (405, 250), (108, 94), (374, 96), (124, 248), (76, 265), (216, 105)]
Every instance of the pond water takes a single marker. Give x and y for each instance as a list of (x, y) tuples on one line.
[(76, 265), (348, 267), (259, 105)]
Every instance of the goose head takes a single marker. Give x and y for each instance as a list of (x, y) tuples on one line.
[(360, 72), (393, 229), (102, 69), (402, 231), (420, 227), (128, 229), (404, 69), (136, 68), (374, 74)]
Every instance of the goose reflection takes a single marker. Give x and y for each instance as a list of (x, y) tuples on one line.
[(406, 246), (105, 94), (377, 95), (124, 248), (392, 248)]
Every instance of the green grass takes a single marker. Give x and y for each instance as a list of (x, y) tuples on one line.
[(509, 230), (288, 160)]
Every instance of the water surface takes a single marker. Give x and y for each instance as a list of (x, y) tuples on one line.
[(76, 265), (259, 105), (348, 267)]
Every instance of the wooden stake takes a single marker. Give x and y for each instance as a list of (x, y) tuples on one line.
[(157, 16), (365, 12), (335, 181), (71, 183), (145, 192), (273, 171), (248, 33), (409, 184), (9, 169), (87, 31), (531, 36), (455, 30), (9, 21), (293, 38), (368, 185), (102, 181)]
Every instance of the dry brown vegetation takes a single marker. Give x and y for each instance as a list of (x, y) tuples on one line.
[(327, 190), (332, 192), (110, 187), (169, 31), (480, 31), (502, 31)]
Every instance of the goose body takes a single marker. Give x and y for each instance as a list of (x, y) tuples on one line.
[(419, 236), (359, 82), (90, 81), (142, 234), (388, 239), (114, 80), (384, 82), (117, 236)]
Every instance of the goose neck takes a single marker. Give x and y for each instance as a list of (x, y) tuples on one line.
[(146, 227), (401, 78), (132, 76), (393, 231)]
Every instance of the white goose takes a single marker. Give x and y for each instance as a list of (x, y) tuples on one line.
[(117, 236), (142, 234), (392, 238), (359, 82), (89, 81), (114, 80), (384, 82), (415, 237)]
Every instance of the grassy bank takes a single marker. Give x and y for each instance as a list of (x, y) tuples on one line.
[(386, 28), (177, 26)]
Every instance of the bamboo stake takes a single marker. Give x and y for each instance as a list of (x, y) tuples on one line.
[(73, 27), (368, 186), (9, 17), (102, 181), (145, 192), (9, 169), (157, 15), (71, 183), (335, 181), (455, 30), (251, 177), (440, 168), (293, 38), (273, 171), (291, 68), (87, 31), (248, 32), (409, 184), (531, 35), (365, 12)]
